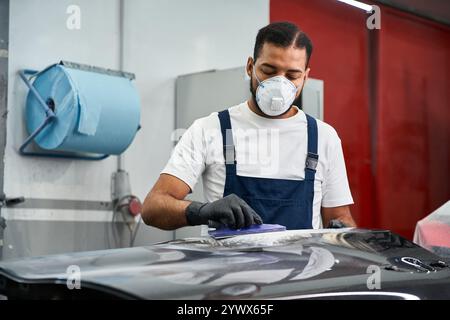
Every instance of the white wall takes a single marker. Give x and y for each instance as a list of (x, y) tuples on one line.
[(39, 37), (163, 39)]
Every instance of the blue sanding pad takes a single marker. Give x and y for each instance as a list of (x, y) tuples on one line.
[(256, 228)]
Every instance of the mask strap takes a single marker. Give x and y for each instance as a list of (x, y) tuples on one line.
[(300, 86), (259, 82), (256, 77)]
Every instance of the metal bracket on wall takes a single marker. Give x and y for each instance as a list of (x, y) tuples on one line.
[(6, 202), (89, 68), (60, 204)]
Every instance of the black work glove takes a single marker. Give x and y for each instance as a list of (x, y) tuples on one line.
[(230, 211), (336, 224)]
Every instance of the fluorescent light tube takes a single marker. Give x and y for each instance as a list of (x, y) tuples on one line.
[(358, 4)]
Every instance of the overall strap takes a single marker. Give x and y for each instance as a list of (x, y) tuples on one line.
[(229, 150), (312, 158)]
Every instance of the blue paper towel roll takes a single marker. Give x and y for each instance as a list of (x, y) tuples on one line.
[(95, 112)]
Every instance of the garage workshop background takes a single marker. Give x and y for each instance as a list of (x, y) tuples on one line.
[(386, 92)]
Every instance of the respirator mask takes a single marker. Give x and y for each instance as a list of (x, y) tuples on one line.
[(275, 95)]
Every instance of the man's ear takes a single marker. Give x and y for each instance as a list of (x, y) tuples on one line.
[(249, 67), (307, 73)]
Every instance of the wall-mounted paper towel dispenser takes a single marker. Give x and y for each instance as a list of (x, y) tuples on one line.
[(75, 108)]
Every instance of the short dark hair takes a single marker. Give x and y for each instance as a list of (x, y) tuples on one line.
[(283, 34)]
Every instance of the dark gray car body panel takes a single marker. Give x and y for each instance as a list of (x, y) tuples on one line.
[(302, 264)]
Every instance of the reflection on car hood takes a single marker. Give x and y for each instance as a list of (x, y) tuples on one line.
[(279, 265)]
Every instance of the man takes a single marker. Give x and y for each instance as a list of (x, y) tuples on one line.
[(302, 182)]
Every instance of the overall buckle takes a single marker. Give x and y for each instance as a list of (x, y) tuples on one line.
[(229, 153), (311, 161)]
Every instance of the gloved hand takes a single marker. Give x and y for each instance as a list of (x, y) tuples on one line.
[(230, 211)]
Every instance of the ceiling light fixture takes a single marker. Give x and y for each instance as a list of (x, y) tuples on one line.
[(366, 7)]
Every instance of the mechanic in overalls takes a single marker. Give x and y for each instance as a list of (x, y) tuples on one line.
[(261, 161)]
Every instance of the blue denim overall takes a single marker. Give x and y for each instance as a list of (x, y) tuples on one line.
[(277, 201)]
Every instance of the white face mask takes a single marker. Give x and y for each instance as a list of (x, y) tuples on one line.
[(275, 95)]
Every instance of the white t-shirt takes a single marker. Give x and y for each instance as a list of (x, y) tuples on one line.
[(265, 148)]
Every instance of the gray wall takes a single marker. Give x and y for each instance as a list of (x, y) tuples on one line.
[(4, 42), (162, 39)]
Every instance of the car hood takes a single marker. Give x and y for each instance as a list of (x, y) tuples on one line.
[(294, 264)]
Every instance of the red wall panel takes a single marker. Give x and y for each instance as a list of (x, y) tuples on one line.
[(413, 111), (390, 106), (339, 58)]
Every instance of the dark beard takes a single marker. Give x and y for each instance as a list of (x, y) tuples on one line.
[(253, 92)]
